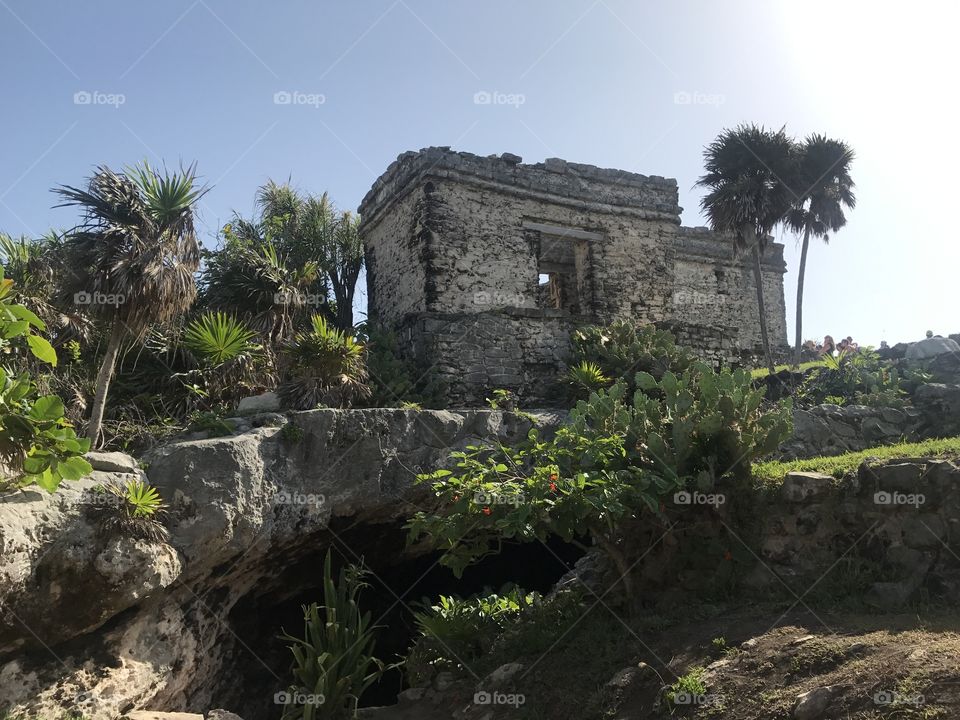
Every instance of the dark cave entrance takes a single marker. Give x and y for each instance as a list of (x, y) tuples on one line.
[(398, 582)]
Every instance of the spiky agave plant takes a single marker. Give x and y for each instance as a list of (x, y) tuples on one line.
[(325, 366), (333, 663), (133, 508), (586, 378)]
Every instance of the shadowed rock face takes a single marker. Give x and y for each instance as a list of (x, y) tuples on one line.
[(104, 624)]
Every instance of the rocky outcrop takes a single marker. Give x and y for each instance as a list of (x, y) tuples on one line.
[(833, 430), (102, 625)]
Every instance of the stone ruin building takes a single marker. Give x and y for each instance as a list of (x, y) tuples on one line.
[(482, 266)]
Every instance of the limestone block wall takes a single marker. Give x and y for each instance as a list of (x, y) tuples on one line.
[(714, 287), (395, 256), (452, 235)]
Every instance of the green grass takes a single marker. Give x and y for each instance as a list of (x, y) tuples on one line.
[(840, 465), (763, 372)]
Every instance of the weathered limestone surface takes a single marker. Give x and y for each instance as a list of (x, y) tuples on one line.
[(457, 246), (97, 624)]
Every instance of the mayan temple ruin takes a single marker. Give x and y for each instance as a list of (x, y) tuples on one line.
[(483, 266)]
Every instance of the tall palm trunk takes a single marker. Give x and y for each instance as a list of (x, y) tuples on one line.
[(761, 305), (103, 382), (800, 276)]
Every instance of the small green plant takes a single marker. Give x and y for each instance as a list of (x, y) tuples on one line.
[(133, 508), (211, 423), (333, 662), (687, 687), (586, 378), (719, 645), (503, 400), (291, 433)]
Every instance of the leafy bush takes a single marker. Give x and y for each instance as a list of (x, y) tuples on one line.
[(133, 508), (456, 632), (622, 349), (210, 423), (396, 381), (37, 444), (503, 400), (333, 661), (853, 378), (325, 367), (617, 458)]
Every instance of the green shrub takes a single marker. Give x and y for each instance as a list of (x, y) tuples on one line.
[(210, 423), (396, 381), (37, 444), (325, 366), (618, 457), (859, 378), (503, 400), (333, 662), (455, 633), (622, 349), (688, 686)]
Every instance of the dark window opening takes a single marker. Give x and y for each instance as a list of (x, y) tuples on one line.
[(561, 273)]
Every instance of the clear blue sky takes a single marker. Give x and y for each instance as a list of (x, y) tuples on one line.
[(598, 82)]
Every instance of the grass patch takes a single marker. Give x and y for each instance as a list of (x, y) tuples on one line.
[(841, 465), (757, 373)]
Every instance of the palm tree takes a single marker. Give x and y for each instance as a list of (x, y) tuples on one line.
[(133, 257), (824, 169), (746, 174)]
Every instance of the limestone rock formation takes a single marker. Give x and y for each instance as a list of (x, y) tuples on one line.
[(103, 625)]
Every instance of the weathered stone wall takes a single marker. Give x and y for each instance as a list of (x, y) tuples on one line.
[(395, 255), (713, 287), (834, 430), (453, 234)]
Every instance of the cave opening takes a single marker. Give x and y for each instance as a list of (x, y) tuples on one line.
[(399, 582)]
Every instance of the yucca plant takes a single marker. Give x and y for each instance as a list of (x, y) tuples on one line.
[(132, 508), (586, 378), (333, 663), (325, 366)]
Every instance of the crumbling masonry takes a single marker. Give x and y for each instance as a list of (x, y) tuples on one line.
[(482, 266)]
